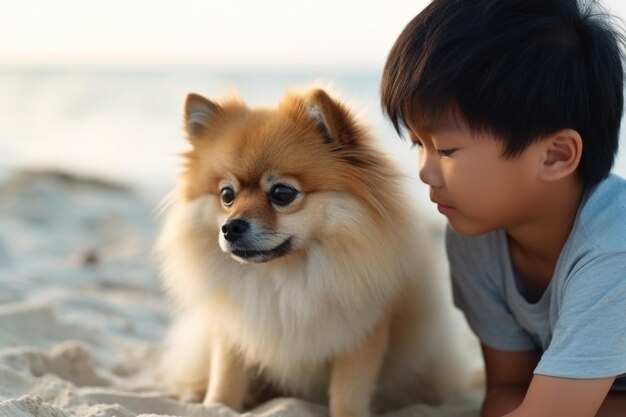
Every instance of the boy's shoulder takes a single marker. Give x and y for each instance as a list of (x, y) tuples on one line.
[(601, 222), (608, 194)]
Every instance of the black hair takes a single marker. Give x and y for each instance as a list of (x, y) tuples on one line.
[(517, 69)]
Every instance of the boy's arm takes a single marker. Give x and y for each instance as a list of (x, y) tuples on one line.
[(565, 397), (508, 376), (513, 391)]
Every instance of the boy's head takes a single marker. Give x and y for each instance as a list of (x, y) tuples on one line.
[(518, 70)]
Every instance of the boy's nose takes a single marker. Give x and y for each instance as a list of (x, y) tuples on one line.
[(429, 171)]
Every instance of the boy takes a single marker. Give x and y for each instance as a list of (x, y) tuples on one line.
[(516, 107)]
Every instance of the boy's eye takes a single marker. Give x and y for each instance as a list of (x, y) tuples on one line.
[(415, 142), (228, 196), (446, 152), (282, 194)]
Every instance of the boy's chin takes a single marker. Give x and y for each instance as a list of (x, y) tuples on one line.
[(467, 228)]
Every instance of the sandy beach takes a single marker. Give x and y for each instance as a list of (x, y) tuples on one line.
[(82, 312)]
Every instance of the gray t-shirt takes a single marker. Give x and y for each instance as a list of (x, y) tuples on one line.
[(580, 321)]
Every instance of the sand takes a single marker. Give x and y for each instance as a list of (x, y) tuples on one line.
[(82, 313)]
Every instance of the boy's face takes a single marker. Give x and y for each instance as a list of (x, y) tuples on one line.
[(473, 185)]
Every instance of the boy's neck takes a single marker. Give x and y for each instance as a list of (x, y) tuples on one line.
[(536, 245)]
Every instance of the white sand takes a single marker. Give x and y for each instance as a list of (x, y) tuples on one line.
[(82, 313)]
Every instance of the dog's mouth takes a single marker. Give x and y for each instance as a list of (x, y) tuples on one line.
[(258, 256)]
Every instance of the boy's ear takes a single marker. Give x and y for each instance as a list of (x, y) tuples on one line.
[(199, 112), (562, 153)]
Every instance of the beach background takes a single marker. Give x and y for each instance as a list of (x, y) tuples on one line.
[(91, 102)]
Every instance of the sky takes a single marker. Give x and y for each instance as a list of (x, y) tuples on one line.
[(219, 33)]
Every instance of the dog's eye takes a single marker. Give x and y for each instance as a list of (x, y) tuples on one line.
[(282, 194), (228, 196)]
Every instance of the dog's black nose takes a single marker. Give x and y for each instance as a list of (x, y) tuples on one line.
[(234, 229)]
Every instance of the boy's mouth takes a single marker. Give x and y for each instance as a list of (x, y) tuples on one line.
[(439, 202), (441, 207), (444, 209)]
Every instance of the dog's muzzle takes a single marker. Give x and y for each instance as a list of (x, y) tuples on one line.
[(234, 229), (245, 243)]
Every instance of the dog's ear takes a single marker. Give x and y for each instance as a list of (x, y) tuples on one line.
[(332, 119), (199, 112)]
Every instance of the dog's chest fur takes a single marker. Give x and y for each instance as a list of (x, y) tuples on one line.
[(294, 317)]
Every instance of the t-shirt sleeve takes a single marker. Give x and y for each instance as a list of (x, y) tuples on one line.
[(479, 293), (589, 337)]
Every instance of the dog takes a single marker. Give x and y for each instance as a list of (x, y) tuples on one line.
[(298, 267)]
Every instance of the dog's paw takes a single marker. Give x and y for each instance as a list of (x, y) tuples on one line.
[(346, 411), (190, 397)]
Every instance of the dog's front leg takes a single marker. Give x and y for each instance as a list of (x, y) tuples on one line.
[(355, 373), (228, 379)]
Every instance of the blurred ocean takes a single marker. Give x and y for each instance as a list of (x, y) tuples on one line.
[(126, 125)]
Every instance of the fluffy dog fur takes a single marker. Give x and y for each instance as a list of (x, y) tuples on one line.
[(296, 264)]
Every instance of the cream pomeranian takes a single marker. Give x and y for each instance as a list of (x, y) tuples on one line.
[(298, 267)]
